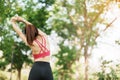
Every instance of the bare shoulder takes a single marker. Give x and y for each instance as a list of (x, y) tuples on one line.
[(41, 32)]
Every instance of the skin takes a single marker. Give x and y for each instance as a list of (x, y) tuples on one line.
[(35, 47)]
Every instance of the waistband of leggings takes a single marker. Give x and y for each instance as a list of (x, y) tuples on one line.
[(42, 62)]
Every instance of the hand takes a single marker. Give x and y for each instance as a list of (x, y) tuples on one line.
[(17, 18), (22, 20), (13, 19)]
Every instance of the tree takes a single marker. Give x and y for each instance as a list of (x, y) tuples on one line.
[(77, 21)]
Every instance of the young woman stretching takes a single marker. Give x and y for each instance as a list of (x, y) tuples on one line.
[(38, 42)]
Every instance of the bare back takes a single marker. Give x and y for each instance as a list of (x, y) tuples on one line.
[(36, 49)]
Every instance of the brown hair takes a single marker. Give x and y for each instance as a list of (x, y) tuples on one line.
[(31, 33)]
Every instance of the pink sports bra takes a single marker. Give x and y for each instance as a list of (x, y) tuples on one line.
[(44, 51)]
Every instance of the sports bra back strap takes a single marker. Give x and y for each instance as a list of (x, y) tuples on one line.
[(39, 44), (43, 40), (43, 47)]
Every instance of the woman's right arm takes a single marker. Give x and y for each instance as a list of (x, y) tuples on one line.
[(17, 29)]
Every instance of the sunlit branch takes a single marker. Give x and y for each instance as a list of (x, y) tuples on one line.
[(110, 24), (97, 16)]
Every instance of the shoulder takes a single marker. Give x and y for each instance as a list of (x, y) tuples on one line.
[(41, 32)]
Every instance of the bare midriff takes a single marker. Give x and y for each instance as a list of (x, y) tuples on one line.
[(45, 59)]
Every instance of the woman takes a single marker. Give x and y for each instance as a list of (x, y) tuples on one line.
[(38, 42)]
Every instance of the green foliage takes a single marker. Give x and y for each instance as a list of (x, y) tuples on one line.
[(18, 56), (5, 10), (108, 71), (47, 2), (66, 55), (66, 58), (38, 18)]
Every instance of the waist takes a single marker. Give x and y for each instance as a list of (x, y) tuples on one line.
[(45, 59), (40, 62)]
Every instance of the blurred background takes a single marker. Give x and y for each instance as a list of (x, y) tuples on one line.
[(84, 36)]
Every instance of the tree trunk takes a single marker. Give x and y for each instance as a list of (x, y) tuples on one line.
[(86, 62), (19, 74)]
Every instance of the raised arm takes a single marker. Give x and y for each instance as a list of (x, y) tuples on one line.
[(16, 27)]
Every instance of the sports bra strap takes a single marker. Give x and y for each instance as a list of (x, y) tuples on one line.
[(41, 45), (43, 40)]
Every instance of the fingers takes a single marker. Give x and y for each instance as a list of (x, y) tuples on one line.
[(23, 20), (17, 18), (20, 19)]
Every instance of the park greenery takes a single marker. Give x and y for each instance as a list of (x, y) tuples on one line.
[(74, 21)]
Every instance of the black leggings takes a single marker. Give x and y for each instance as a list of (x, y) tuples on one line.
[(41, 71)]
